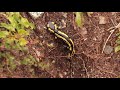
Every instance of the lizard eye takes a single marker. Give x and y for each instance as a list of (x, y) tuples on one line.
[(51, 25)]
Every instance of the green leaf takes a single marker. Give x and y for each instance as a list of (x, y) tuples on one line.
[(2, 54), (24, 62), (12, 62), (13, 21), (117, 48), (16, 47), (17, 17), (32, 26), (7, 26), (10, 40), (9, 13), (23, 32), (18, 29), (25, 22), (7, 46), (118, 41), (79, 19), (22, 42), (3, 34), (24, 48)]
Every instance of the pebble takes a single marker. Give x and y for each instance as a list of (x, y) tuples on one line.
[(102, 20), (108, 49), (36, 14), (60, 75)]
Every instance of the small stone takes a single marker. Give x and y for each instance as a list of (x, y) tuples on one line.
[(38, 53), (53, 61), (36, 14), (61, 76), (102, 20), (83, 31), (108, 49), (94, 38), (65, 73)]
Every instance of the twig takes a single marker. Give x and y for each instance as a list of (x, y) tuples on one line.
[(112, 31), (118, 26), (85, 67)]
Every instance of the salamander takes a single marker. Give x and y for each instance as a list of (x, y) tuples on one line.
[(53, 28)]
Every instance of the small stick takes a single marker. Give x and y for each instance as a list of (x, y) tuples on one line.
[(112, 31), (85, 68)]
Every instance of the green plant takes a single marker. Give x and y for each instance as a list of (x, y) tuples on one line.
[(13, 36), (28, 60), (117, 48), (79, 19), (16, 31)]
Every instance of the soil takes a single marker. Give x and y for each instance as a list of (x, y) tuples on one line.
[(88, 61)]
